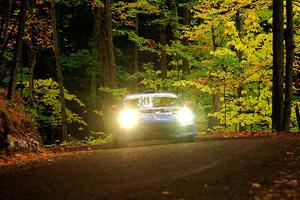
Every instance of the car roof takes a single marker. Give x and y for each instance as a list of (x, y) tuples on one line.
[(155, 94)]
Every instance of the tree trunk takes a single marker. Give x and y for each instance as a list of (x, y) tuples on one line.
[(213, 37), (3, 69), (240, 95), (163, 39), (278, 62), (94, 79), (297, 115), (290, 46), (33, 55), (5, 130), (173, 24), (59, 71), (185, 42), (6, 9), (109, 67), (213, 121), (239, 27), (187, 23), (96, 37), (18, 51), (136, 53)]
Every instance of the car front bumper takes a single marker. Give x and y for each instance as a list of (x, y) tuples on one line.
[(159, 131)]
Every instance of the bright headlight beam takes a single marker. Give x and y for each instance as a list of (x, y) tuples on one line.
[(128, 118), (185, 116)]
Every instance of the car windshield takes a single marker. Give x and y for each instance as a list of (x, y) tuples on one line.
[(152, 102)]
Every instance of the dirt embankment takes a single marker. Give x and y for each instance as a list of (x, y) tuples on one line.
[(17, 130)]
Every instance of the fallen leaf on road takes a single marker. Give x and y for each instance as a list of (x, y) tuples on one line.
[(165, 193), (293, 183), (256, 185), (290, 153)]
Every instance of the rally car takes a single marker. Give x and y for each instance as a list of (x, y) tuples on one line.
[(151, 116)]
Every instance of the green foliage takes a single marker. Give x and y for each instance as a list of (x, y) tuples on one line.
[(237, 65), (97, 138), (125, 12), (239, 68), (82, 59), (72, 3), (253, 109), (8, 55), (151, 79), (124, 76), (94, 138), (47, 112), (116, 93)]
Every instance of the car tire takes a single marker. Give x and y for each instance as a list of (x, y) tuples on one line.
[(189, 138)]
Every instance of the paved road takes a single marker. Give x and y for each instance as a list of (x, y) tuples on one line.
[(221, 169)]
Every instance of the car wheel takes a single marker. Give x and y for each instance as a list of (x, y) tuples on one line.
[(189, 138)]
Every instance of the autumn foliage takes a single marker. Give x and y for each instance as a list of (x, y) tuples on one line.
[(218, 54)]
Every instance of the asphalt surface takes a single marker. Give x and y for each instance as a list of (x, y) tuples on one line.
[(221, 169)]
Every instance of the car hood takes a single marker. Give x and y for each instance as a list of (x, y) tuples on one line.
[(158, 110), (158, 115)]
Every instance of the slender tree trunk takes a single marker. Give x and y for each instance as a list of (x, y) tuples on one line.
[(59, 71), (5, 130), (18, 51), (33, 55), (136, 52), (297, 115), (225, 103), (3, 69), (6, 10), (96, 37), (239, 27), (163, 40), (174, 37), (290, 48), (213, 121), (278, 62), (173, 24), (185, 42), (213, 37), (187, 23)]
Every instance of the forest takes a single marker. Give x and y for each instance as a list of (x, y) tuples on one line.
[(64, 63)]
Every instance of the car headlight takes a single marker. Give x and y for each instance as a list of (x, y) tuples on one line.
[(185, 116), (128, 118)]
